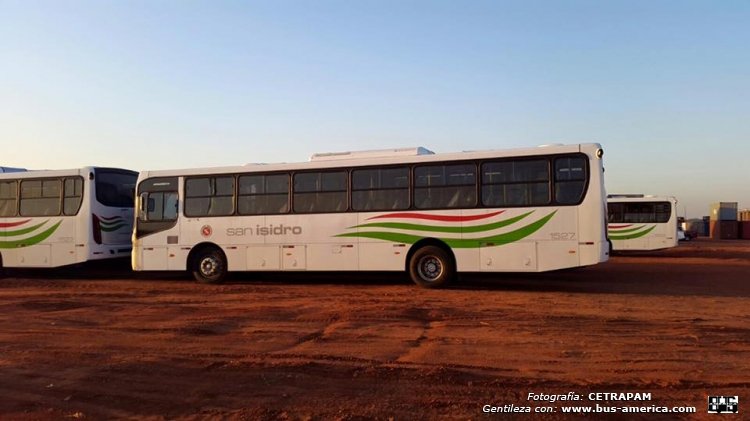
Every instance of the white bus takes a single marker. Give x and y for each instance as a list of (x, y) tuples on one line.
[(431, 215), (54, 218), (638, 222)]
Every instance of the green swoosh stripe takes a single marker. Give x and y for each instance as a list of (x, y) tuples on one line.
[(114, 228), (112, 222), (496, 240), (31, 240), (21, 231), (625, 231), (631, 236), (436, 228)]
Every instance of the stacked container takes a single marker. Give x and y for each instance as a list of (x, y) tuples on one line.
[(744, 224), (724, 224), (698, 226)]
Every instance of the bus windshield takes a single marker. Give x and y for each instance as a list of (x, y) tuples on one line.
[(115, 188)]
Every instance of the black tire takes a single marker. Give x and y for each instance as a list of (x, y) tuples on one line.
[(209, 266), (431, 267)]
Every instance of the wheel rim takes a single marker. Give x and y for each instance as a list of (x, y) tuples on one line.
[(210, 266), (430, 268)]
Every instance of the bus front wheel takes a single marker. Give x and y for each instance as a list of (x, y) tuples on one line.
[(431, 267), (209, 266)]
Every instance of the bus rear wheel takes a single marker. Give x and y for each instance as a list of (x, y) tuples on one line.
[(209, 266), (431, 267)]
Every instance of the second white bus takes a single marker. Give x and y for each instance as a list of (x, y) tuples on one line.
[(431, 215), (639, 222), (54, 218)]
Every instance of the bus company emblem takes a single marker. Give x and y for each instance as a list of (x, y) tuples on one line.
[(18, 234), (454, 230), (206, 230)]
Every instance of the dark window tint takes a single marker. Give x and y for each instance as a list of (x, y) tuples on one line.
[(570, 179), (320, 192), (73, 195), (8, 198), (115, 188), (380, 189), (158, 203), (662, 212), (639, 212), (380, 178), (40, 197), (263, 194), (209, 196), (515, 171), (161, 206), (515, 183), (158, 184), (445, 186)]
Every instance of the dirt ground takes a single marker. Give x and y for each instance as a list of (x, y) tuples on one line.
[(102, 343)]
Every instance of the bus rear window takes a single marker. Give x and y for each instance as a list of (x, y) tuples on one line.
[(115, 188)]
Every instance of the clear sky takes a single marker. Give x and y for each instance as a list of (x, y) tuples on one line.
[(664, 86)]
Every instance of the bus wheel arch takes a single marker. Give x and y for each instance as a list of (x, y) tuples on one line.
[(207, 262), (431, 263)]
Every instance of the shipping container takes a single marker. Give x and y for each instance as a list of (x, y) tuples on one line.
[(724, 230), (744, 230), (724, 211), (744, 215), (698, 226)]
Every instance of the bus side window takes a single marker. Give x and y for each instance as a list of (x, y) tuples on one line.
[(170, 206), (160, 206), (72, 196), (570, 180), (8, 198)]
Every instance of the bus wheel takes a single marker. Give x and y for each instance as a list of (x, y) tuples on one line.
[(209, 266), (431, 267)]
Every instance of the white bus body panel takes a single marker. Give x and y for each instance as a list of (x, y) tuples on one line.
[(662, 235), (66, 239), (573, 236)]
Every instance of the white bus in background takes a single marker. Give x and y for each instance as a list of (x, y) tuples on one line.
[(54, 218), (431, 215), (638, 222)]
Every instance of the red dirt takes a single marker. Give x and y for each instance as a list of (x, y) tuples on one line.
[(104, 343)]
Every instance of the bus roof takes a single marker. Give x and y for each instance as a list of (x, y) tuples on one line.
[(639, 198), (376, 153), (59, 173), (369, 158), (11, 169)]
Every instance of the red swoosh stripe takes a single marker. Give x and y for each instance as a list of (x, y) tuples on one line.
[(431, 217), (620, 226), (13, 224)]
